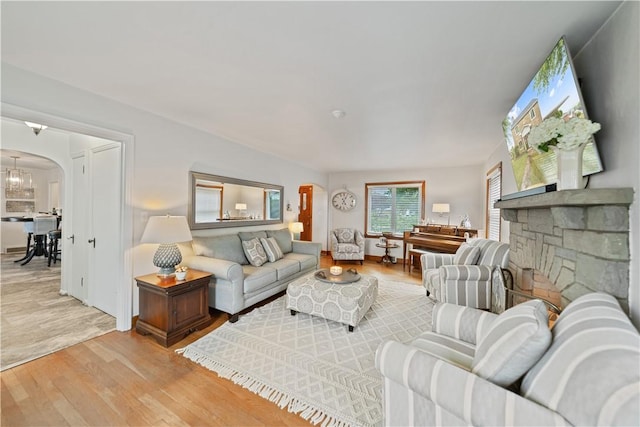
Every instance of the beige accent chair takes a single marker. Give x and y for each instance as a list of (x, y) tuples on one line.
[(347, 244)]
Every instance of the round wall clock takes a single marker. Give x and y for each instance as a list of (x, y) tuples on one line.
[(344, 200)]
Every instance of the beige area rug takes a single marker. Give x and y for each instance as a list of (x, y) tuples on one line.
[(36, 320), (312, 366)]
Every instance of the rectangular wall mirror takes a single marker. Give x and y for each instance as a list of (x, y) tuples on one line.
[(219, 201)]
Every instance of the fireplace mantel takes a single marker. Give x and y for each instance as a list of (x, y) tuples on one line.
[(589, 197), (568, 243)]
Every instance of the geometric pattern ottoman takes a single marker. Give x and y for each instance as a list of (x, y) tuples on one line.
[(345, 303)]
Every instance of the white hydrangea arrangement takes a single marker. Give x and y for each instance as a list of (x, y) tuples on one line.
[(565, 135)]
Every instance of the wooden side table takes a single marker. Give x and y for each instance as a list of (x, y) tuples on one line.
[(171, 309)]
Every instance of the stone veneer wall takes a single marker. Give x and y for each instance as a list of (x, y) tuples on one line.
[(568, 243)]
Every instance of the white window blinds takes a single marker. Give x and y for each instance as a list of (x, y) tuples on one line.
[(393, 208), (494, 193)]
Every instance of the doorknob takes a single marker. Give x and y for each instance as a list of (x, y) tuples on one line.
[(93, 241), (72, 238)]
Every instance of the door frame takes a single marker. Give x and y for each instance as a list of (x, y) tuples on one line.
[(123, 280)]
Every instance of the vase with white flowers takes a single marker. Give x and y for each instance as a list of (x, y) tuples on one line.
[(568, 139)]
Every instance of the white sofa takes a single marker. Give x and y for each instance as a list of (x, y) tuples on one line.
[(467, 370), (236, 284)]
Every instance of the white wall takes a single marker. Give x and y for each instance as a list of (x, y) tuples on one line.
[(457, 186), (608, 67)]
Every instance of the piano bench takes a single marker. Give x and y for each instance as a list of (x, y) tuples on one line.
[(414, 253)]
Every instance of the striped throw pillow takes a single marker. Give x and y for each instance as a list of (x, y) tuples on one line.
[(254, 251), (272, 249), (517, 339), (466, 255)]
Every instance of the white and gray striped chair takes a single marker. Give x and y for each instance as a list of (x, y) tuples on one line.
[(478, 368), (464, 278)]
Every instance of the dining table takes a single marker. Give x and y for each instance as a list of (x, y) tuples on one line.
[(39, 247)]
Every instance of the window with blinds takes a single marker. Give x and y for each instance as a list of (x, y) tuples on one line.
[(393, 207), (494, 193), (209, 204)]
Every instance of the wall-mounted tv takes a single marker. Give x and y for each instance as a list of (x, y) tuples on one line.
[(552, 91)]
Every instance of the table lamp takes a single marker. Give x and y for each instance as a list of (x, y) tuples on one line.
[(296, 228), (241, 207), (441, 209), (166, 230)]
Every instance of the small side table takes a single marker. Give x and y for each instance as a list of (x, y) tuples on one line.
[(171, 309), (386, 258)]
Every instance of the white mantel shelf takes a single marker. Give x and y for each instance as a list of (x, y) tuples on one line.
[(588, 197)]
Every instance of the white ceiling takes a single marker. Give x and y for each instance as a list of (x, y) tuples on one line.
[(424, 84)]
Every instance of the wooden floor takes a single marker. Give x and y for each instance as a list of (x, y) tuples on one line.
[(122, 378)]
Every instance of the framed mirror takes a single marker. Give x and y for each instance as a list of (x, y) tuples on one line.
[(220, 201)]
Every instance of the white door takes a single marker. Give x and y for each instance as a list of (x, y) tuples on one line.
[(77, 233), (104, 237)]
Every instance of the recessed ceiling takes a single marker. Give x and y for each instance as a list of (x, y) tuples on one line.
[(424, 84)]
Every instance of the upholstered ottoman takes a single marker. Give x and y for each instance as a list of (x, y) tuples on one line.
[(344, 303)]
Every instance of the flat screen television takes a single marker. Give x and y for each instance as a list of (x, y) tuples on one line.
[(552, 91)]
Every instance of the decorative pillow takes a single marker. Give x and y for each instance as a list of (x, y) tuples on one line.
[(254, 251), (345, 235), (272, 249), (516, 340), (466, 255)]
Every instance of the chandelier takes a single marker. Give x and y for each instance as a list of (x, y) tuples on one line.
[(17, 179)]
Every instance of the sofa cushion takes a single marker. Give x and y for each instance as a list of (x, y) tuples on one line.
[(256, 278), (284, 267), (348, 248), (271, 248), (306, 261), (283, 237), (466, 255), (248, 235), (226, 247), (591, 372), (345, 235), (514, 343), (254, 251)]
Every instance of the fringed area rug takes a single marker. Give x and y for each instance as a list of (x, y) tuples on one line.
[(312, 366)]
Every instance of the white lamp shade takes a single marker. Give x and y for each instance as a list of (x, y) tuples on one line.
[(241, 206), (296, 227), (166, 230), (440, 208)]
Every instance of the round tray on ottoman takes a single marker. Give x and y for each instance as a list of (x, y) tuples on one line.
[(347, 276)]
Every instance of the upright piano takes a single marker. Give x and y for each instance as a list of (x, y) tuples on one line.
[(436, 238)]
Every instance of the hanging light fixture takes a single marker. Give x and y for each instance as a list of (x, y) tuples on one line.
[(18, 179), (14, 178)]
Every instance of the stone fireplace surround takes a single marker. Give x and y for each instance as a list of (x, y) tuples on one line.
[(564, 244)]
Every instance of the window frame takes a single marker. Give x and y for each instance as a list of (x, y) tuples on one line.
[(420, 184), (495, 170)]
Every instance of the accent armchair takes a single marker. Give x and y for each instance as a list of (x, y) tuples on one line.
[(478, 368), (347, 244), (464, 278)]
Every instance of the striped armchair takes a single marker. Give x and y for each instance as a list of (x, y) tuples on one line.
[(464, 278), (478, 368)]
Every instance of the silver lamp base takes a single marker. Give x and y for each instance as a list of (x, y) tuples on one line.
[(166, 258)]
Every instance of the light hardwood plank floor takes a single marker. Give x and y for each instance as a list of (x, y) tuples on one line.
[(125, 379)]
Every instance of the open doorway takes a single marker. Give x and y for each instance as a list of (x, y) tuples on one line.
[(16, 135)]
